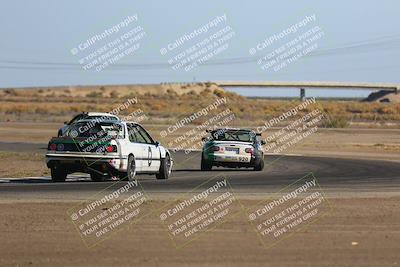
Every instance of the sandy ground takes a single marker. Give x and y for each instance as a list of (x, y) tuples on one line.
[(22, 164), (355, 232)]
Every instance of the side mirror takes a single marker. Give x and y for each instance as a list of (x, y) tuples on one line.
[(65, 122), (204, 139), (263, 142), (156, 143)]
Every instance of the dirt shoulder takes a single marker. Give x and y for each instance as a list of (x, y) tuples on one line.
[(361, 231), (22, 164)]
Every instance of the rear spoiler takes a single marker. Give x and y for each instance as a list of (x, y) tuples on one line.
[(209, 131)]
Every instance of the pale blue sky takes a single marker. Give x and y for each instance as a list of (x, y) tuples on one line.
[(43, 32)]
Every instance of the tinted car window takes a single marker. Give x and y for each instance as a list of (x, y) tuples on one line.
[(143, 136), (132, 132), (86, 129), (241, 136)]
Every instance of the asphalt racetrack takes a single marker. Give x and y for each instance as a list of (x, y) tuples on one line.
[(333, 174), (359, 226)]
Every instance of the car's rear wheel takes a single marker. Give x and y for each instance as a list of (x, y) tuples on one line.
[(165, 168), (58, 174), (205, 165), (131, 170), (259, 166), (97, 177)]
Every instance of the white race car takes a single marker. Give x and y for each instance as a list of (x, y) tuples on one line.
[(107, 149), (86, 116), (232, 148)]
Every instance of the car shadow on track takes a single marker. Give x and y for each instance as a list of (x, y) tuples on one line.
[(215, 170)]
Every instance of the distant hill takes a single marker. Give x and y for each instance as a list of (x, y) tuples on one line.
[(383, 96), (113, 90)]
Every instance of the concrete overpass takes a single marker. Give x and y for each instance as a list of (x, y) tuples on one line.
[(320, 85)]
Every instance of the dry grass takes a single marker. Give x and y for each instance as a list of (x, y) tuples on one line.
[(166, 103)]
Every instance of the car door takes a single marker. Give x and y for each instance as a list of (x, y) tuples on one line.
[(138, 147), (153, 154)]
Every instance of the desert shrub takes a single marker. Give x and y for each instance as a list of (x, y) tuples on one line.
[(41, 110), (335, 122), (75, 109), (130, 95), (11, 92), (171, 92), (219, 92), (387, 110), (114, 94), (157, 106), (94, 94)]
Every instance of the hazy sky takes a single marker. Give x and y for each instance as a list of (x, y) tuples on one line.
[(361, 40)]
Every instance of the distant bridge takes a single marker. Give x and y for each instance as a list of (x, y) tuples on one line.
[(320, 85)]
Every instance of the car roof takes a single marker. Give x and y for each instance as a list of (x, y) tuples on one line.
[(97, 120), (117, 121), (101, 114), (232, 129)]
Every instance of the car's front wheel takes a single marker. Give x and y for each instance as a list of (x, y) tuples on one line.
[(58, 174), (165, 168)]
